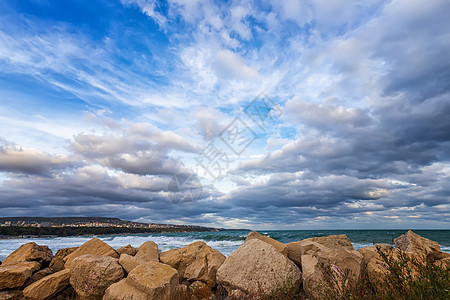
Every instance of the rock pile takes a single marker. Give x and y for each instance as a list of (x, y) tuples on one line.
[(260, 267)]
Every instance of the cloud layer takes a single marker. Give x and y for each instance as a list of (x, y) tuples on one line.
[(99, 115)]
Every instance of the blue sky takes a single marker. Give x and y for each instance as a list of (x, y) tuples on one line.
[(106, 105)]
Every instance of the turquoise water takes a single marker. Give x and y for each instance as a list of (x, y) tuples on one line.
[(226, 241)]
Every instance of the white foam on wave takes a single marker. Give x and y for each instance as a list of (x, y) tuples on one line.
[(164, 242)]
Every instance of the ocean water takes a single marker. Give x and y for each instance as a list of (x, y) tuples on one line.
[(225, 241)]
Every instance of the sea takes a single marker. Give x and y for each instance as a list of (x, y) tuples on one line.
[(224, 241)]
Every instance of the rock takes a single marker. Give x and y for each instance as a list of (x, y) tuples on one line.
[(129, 262), (196, 261), (16, 275), (91, 275), (282, 248), (49, 286), (94, 247), (123, 291), (11, 295), (200, 289), (443, 263), (148, 251), (57, 263), (258, 267), (318, 260), (371, 252), (237, 294), (412, 242), (156, 280), (39, 275), (337, 242), (29, 252), (127, 250)]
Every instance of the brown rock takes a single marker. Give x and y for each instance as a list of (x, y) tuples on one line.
[(129, 262), (443, 263), (16, 275), (94, 247), (200, 289), (282, 248), (148, 251), (57, 263), (156, 280), (91, 275), (11, 295), (412, 242), (196, 261), (258, 267), (317, 260), (128, 249), (123, 291), (371, 252), (39, 275), (49, 286), (29, 252), (237, 294)]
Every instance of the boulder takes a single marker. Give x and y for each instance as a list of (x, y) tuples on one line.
[(39, 275), (123, 291), (49, 286), (257, 267), (318, 261), (29, 252), (282, 248), (16, 275), (57, 263), (129, 262), (91, 275), (200, 290), (156, 280), (412, 242), (148, 251), (196, 261), (94, 246), (11, 295), (443, 263), (371, 252), (128, 249), (338, 242)]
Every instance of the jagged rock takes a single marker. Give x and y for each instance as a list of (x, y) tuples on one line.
[(48, 286), (16, 275), (412, 242), (317, 260), (331, 241), (258, 267), (57, 263), (196, 261), (91, 275), (11, 295), (29, 252), (371, 252), (148, 251), (39, 275), (94, 246), (128, 249), (200, 289), (129, 262), (282, 248), (156, 280), (123, 291)]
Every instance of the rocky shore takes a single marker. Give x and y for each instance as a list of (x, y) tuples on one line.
[(262, 267)]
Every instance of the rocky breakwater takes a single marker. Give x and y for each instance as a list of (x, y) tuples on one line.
[(260, 268)]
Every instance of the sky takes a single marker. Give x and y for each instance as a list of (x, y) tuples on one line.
[(240, 114)]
